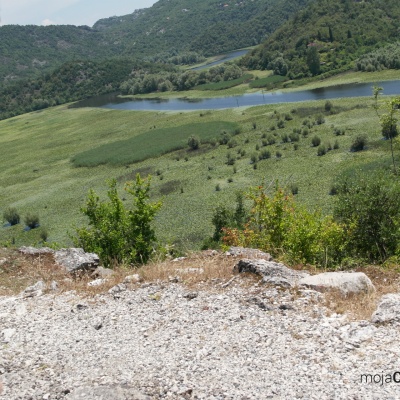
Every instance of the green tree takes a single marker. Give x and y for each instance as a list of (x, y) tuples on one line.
[(115, 233), (313, 60)]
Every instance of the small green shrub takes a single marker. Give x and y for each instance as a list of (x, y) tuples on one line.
[(281, 124), (336, 145), (321, 150), (285, 138), (193, 142), (117, 234), (12, 216), (328, 106), (294, 137), (294, 189), (315, 141), (264, 155), (359, 143), (278, 154), (31, 220)]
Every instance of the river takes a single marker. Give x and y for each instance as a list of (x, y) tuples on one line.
[(253, 99)]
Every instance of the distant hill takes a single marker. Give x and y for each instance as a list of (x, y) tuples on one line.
[(328, 36), (168, 27)]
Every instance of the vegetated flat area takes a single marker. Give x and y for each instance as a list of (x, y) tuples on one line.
[(37, 173)]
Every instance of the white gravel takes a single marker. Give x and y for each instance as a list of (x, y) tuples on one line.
[(166, 342)]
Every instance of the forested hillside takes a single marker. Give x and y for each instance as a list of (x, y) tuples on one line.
[(169, 28), (328, 36)]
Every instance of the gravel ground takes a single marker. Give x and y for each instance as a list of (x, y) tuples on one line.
[(167, 342)]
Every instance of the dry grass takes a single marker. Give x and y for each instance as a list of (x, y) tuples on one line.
[(362, 306)]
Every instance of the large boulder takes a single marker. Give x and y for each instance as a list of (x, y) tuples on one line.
[(388, 309), (272, 272), (345, 282), (76, 260)]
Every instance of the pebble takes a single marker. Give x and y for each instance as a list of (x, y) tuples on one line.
[(230, 343)]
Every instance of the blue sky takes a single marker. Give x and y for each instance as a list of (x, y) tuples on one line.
[(74, 12)]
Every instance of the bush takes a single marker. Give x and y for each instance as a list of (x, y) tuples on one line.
[(359, 143), (193, 142), (265, 154), (278, 154), (294, 189), (336, 145), (294, 137), (315, 141), (328, 106), (305, 132), (285, 138), (321, 150), (11, 215), (116, 234), (281, 124), (319, 120), (31, 220), (280, 226), (369, 207), (44, 234)]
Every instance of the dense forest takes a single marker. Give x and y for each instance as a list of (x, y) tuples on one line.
[(328, 36), (173, 28), (73, 81)]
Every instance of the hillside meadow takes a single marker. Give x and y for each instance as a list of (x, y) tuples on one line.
[(38, 175)]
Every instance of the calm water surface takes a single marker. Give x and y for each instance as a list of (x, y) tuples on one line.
[(254, 99)]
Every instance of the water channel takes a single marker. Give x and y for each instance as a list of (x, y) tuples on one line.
[(253, 99)]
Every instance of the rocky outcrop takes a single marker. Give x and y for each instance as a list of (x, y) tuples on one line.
[(75, 259), (272, 272), (346, 282), (248, 253), (388, 309)]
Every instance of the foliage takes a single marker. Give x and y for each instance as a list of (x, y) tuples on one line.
[(117, 234), (368, 204), (193, 142), (277, 224), (316, 141), (359, 142), (31, 220), (11, 215), (153, 143), (329, 36)]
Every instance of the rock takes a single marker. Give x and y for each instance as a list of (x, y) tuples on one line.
[(346, 282), (135, 278), (8, 334), (54, 286), (35, 290), (249, 253), (74, 260), (388, 309), (271, 271), (32, 251), (97, 282), (101, 272), (106, 393), (179, 259), (118, 288), (190, 295)]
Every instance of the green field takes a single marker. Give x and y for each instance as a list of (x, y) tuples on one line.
[(37, 174), (224, 84)]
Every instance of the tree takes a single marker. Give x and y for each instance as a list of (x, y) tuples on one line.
[(313, 60), (11, 215), (193, 143), (368, 205), (116, 234)]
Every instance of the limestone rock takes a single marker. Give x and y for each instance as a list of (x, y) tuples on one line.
[(101, 272), (74, 260), (346, 282), (97, 282), (135, 278), (35, 290), (271, 271), (32, 251), (249, 253), (388, 309)]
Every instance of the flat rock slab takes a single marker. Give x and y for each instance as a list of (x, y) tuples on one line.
[(106, 393), (248, 253), (346, 282), (272, 272), (75, 259), (388, 309)]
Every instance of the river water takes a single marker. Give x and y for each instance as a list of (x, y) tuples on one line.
[(253, 99)]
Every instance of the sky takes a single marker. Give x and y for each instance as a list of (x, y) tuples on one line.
[(65, 12)]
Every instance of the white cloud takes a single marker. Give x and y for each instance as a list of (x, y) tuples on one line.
[(47, 22)]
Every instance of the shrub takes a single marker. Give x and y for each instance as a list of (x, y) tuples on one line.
[(44, 234), (321, 150), (193, 142), (265, 154), (116, 234), (257, 147), (230, 180), (230, 159), (31, 220), (253, 158), (315, 141), (280, 226), (336, 145), (232, 143), (11, 215), (281, 124), (278, 154), (294, 189), (288, 117), (254, 125), (319, 120), (295, 146), (328, 106), (305, 132), (359, 143), (368, 204), (294, 137), (217, 187), (271, 139), (284, 138)]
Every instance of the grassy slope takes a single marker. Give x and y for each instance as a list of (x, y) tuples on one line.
[(36, 173)]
